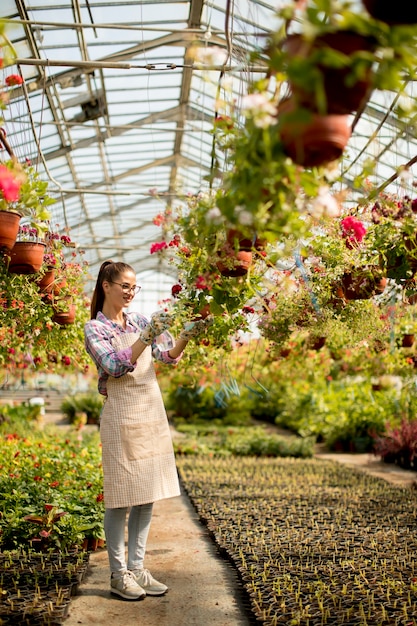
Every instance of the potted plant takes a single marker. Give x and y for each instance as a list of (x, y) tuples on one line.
[(196, 239), (392, 229), (344, 254), (266, 194), (337, 54), (27, 254)]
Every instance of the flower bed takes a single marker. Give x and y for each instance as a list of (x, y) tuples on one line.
[(51, 502), (314, 542)]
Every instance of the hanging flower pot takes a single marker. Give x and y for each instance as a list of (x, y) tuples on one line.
[(407, 340), (362, 283), (46, 283), (203, 313), (26, 257), (311, 139), (60, 283), (63, 318), (400, 12), (243, 242), (344, 92), (318, 343), (9, 227), (233, 263)]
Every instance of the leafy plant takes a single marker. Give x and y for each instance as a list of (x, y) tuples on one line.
[(398, 444), (90, 404)]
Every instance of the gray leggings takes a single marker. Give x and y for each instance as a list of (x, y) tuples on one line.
[(138, 526)]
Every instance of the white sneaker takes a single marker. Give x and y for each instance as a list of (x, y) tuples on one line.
[(125, 586), (147, 582)]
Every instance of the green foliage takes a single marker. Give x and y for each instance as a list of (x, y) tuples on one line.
[(240, 441), (339, 412), (89, 403), (50, 486), (19, 417)]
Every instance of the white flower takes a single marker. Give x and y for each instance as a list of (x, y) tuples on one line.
[(405, 176), (324, 204), (260, 108), (214, 216), (244, 217), (332, 171), (210, 55)]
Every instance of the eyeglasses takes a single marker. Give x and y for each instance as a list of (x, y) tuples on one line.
[(127, 288)]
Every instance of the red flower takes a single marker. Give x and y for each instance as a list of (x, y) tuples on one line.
[(54, 484), (159, 219), (224, 121), (201, 283), (353, 231), (100, 497), (175, 289), (9, 185), (66, 360), (175, 241), (13, 79), (158, 246)]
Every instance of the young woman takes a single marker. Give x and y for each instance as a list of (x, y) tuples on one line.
[(138, 458)]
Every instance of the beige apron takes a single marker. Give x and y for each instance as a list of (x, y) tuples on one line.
[(138, 457)]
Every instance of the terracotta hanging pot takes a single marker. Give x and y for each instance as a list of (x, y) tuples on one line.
[(344, 93), (26, 257), (318, 343), (311, 139), (243, 242), (46, 283), (63, 318), (407, 340), (400, 12), (203, 313), (59, 284), (363, 283), (233, 263), (9, 227)]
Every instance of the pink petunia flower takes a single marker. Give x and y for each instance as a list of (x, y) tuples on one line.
[(353, 231), (9, 185), (201, 283), (158, 246)]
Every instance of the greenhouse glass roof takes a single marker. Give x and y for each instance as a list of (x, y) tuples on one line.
[(115, 106)]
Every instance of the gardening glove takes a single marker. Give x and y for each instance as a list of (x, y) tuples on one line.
[(192, 330), (158, 323)]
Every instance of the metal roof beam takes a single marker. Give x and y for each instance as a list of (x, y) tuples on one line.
[(180, 112)]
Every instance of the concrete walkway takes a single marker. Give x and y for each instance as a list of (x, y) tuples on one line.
[(203, 588)]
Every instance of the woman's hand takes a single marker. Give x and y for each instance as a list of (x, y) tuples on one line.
[(192, 330), (159, 322)]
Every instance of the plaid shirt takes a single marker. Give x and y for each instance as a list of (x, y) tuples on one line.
[(98, 334)]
